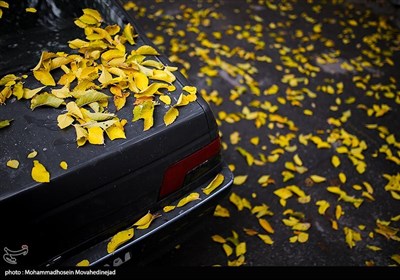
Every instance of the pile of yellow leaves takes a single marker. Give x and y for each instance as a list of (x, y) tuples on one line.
[(106, 61)]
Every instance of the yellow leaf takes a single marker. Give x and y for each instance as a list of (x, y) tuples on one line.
[(374, 248), (168, 208), (240, 179), (170, 116), (293, 239), (116, 131), (83, 263), (297, 160), (215, 183), (45, 99), (317, 178), (247, 155), (266, 225), (166, 99), (221, 212), (304, 199), (342, 177), (32, 154), (335, 161), (144, 220), (283, 193), (90, 96), (64, 120), (227, 249), (301, 226), (323, 206), (64, 165), (238, 262), (264, 180), (141, 80), (255, 140), (396, 258), (144, 111), (13, 163), (187, 199), (218, 239), (5, 123), (261, 210), (395, 219), (296, 190), (95, 135), (128, 33), (119, 239), (190, 89), (240, 249), (338, 212), (44, 77), (250, 232), (81, 135), (146, 50), (266, 238), (237, 200), (39, 173), (302, 237)]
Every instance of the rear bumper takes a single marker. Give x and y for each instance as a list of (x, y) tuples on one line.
[(162, 235)]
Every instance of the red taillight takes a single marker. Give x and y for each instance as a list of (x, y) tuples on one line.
[(174, 176)]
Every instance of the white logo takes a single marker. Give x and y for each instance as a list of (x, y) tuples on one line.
[(10, 255)]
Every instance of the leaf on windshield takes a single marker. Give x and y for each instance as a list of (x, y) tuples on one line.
[(119, 239), (39, 172)]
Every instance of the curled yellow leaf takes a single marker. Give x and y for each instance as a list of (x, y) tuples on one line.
[(170, 116), (215, 183), (187, 199), (119, 239)]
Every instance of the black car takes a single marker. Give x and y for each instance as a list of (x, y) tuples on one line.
[(106, 151)]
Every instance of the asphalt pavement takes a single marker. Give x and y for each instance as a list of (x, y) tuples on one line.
[(307, 97)]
